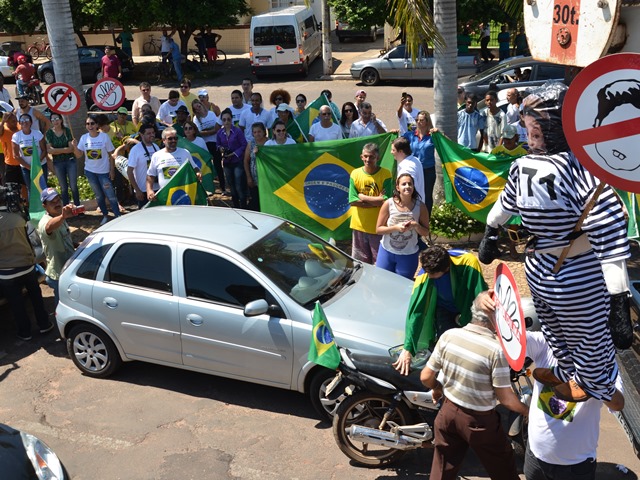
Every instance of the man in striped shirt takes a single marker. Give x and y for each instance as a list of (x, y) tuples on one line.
[(475, 375)]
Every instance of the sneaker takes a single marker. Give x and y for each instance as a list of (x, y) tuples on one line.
[(47, 329), (104, 220), (24, 338)]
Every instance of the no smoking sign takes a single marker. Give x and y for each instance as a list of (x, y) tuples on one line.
[(601, 119)]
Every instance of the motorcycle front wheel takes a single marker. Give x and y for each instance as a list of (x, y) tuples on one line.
[(366, 409)]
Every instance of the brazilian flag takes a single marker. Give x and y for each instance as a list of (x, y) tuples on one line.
[(472, 181), (323, 350), (202, 159), (38, 184), (309, 184), (183, 189), (632, 203), (306, 118)]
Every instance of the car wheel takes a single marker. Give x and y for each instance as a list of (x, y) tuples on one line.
[(48, 77), (370, 77), (325, 407), (93, 351)]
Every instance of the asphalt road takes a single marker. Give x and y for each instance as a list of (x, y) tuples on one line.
[(154, 422)]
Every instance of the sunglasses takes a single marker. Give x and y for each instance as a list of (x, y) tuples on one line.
[(279, 99), (348, 110), (301, 101), (25, 121), (187, 128), (145, 90), (280, 130), (172, 139), (325, 114)]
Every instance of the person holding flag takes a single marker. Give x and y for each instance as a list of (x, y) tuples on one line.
[(27, 143), (325, 129), (208, 125), (197, 147), (138, 162)]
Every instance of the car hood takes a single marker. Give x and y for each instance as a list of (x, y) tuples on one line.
[(372, 310), (373, 62)]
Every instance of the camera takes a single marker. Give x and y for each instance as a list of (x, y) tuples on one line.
[(10, 199)]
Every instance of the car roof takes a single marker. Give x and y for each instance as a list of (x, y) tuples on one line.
[(220, 225)]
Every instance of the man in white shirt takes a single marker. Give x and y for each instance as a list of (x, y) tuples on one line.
[(144, 98), (407, 163), (367, 123), (167, 111), (237, 108), (166, 162), (253, 115), (325, 129), (138, 163)]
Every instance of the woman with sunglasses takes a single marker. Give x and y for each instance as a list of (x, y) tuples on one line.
[(277, 97), (423, 148), (232, 145), (251, 169), (60, 148), (280, 136), (301, 104), (23, 142), (349, 115), (192, 134), (99, 166)]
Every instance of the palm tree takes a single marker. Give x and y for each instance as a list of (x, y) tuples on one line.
[(59, 23)]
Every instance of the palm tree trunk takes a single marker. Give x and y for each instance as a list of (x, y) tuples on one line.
[(66, 65), (445, 76)]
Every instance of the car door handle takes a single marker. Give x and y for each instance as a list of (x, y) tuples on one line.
[(110, 302), (195, 320)]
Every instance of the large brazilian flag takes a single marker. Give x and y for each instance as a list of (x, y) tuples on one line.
[(472, 181), (308, 184), (182, 189)]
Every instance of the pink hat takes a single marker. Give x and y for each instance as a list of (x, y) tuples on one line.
[(361, 92)]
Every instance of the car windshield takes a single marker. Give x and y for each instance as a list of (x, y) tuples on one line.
[(301, 264), (490, 72)]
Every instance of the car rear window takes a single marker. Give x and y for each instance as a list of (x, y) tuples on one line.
[(89, 268), (281, 35), (143, 265)]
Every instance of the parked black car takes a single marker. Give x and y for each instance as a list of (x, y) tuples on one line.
[(90, 66)]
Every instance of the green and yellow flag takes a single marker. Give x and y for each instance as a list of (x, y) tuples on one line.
[(183, 189), (202, 159), (309, 184), (323, 350), (632, 203), (472, 181), (38, 184), (306, 118)]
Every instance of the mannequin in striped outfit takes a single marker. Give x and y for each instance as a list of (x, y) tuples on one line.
[(550, 189)]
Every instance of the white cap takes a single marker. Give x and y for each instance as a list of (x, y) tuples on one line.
[(203, 92)]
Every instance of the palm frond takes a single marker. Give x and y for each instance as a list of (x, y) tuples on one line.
[(415, 19)]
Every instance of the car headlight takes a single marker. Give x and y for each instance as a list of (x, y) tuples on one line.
[(44, 461)]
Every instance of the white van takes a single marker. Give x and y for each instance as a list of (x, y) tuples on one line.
[(284, 41)]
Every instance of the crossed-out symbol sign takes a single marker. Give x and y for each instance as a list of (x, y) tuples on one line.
[(62, 98), (601, 119), (108, 94)]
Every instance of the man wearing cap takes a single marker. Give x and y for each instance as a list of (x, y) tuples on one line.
[(111, 65), (325, 129), (167, 110), (253, 115), (203, 96), (166, 162), (55, 235), (509, 145), (182, 115), (367, 123), (121, 127), (144, 99), (360, 97)]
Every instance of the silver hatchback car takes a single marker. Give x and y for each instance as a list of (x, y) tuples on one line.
[(224, 292)]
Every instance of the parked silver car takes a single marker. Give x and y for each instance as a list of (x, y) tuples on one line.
[(396, 64), (222, 292)]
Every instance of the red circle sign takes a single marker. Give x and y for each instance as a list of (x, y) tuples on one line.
[(62, 98), (510, 322), (108, 94), (601, 119)]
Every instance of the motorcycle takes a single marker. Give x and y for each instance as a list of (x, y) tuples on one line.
[(33, 90), (385, 414)]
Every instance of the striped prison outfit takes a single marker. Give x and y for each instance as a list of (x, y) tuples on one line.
[(550, 193)]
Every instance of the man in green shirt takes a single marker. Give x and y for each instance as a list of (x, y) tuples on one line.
[(55, 235)]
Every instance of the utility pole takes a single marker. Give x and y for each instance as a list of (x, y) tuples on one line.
[(326, 39)]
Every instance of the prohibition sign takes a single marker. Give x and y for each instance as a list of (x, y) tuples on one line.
[(62, 98), (108, 94), (601, 119), (510, 323)]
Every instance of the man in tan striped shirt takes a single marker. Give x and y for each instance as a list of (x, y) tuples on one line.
[(475, 375)]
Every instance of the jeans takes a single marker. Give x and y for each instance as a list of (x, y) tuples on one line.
[(237, 180), (53, 284), (68, 170), (26, 175), (403, 265), (12, 289), (536, 469), (20, 85), (101, 185), (177, 64)]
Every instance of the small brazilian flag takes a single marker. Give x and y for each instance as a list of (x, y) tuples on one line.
[(308, 183), (323, 350), (202, 159), (38, 183), (306, 118), (472, 181), (183, 189)]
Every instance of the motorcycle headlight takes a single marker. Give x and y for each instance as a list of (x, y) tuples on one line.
[(44, 461)]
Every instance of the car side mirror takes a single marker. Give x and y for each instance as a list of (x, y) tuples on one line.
[(255, 308)]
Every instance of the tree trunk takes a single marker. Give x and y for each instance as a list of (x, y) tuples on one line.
[(66, 64), (445, 77)]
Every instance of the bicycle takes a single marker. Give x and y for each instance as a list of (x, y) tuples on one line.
[(152, 46), (159, 71), (38, 48), (194, 56)]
